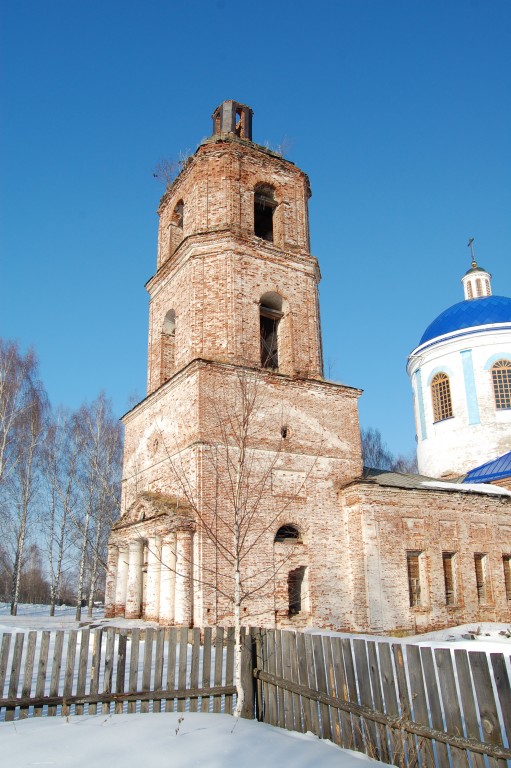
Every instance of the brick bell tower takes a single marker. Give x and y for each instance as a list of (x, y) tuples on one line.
[(235, 295)]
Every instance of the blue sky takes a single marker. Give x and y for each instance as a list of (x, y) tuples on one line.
[(399, 111)]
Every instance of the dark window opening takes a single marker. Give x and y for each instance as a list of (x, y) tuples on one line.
[(177, 217), (449, 577), (481, 578), (506, 562), (294, 587), (269, 325), (287, 532), (284, 431), (414, 584), (264, 207)]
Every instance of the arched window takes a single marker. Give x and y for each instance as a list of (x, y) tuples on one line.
[(168, 337), (441, 397), (479, 287), (176, 225), (501, 377), (270, 315), (264, 208), (470, 292), (288, 533)]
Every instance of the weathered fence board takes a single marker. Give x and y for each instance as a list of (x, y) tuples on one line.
[(468, 703), (67, 689), (435, 707), (171, 668), (41, 671), (158, 667), (82, 668), (28, 673), (378, 704), (206, 668), (121, 671), (486, 702), (219, 657)]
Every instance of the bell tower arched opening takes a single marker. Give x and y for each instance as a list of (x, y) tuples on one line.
[(168, 346), (264, 208), (271, 312)]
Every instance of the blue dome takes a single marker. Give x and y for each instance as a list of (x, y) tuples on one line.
[(469, 313)]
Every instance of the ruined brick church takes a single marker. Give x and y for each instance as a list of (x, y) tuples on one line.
[(243, 478)]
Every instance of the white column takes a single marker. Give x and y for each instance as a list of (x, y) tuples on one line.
[(122, 580), (167, 579), (152, 589), (111, 580), (134, 587), (184, 601)]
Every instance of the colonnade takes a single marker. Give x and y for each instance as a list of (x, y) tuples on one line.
[(151, 578)]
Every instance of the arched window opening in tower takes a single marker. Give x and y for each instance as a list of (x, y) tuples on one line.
[(501, 377), (178, 215), (479, 287), (270, 315), (288, 533), (168, 344), (294, 587), (441, 397), (470, 292), (264, 208)]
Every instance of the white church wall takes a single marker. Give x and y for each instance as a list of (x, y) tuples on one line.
[(477, 431)]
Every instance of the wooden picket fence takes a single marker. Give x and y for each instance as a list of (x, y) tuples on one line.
[(115, 671), (402, 704)]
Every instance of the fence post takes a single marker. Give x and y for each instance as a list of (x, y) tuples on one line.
[(247, 676)]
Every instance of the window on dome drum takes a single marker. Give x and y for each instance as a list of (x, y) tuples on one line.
[(470, 292), (481, 569), (449, 564), (501, 377), (479, 287), (506, 562), (287, 533), (294, 588), (441, 397), (487, 286), (264, 208), (414, 578)]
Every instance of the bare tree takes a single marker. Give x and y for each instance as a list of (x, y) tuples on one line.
[(240, 510), (100, 446), (60, 467), (166, 171), (22, 484), (377, 455), (19, 388)]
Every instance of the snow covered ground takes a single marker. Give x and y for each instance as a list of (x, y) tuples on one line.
[(188, 739)]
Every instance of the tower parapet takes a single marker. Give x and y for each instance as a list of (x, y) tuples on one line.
[(233, 118)]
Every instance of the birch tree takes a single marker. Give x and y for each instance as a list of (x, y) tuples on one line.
[(100, 448), (22, 485), (60, 469)]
